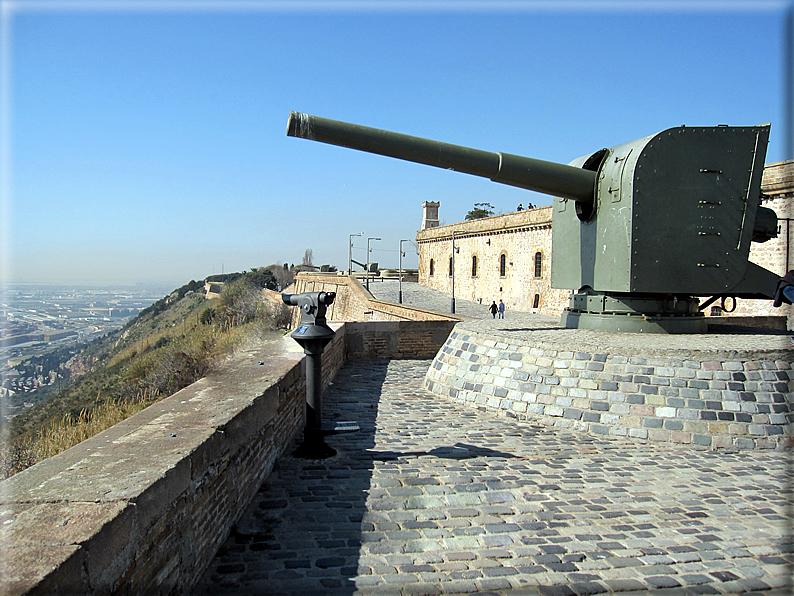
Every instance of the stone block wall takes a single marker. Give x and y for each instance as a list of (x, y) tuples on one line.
[(392, 339), (142, 507), (776, 254), (519, 236), (711, 401)]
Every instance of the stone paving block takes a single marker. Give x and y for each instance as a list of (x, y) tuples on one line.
[(458, 587)]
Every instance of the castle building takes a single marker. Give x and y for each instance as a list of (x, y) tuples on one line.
[(508, 257)]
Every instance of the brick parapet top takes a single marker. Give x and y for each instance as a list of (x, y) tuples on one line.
[(357, 290), (540, 216), (778, 177)]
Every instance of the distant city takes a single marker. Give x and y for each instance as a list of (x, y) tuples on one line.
[(37, 320)]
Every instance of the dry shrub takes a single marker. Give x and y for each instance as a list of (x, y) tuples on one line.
[(239, 303), (67, 432), (15, 458)]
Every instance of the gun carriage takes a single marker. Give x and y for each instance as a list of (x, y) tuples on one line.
[(640, 231)]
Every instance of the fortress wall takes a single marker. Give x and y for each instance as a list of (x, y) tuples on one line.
[(522, 234), (393, 339), (775, 254), (142, 507), (711, 400), (519, 236)]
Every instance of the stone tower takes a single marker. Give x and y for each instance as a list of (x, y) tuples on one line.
[(430, 214)]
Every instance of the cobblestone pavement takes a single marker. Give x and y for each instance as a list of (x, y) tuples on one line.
[(433, 498), (540, 328)]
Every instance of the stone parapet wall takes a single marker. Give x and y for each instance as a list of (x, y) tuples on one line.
[(778, 179), (392, 339), (142, 507), (708, 400)]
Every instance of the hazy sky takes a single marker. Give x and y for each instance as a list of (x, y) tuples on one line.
[(145, 141)]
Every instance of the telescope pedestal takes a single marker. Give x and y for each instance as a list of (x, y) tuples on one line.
[(314, 445), (634, 313)]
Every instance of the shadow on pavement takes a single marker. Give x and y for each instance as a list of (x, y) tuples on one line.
[(302, 533)]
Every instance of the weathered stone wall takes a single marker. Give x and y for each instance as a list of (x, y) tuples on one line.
[(523, 234), (393, 339), (776, 254), (706, 399), (142, 507)]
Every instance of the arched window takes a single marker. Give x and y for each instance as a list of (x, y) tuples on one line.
[(432, 267), (474, 265), (538, 264), (502, 265), (536, 301), (450, 266)]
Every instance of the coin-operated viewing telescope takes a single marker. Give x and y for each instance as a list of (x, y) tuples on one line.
[(639, 230), (313, 334)]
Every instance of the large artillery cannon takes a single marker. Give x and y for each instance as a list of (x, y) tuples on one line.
[(640, 230)]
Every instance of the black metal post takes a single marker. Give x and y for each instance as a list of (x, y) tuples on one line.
[(452, 309), (314, 445)]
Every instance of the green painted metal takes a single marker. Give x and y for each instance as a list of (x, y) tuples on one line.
[(634, 313), (634, 322), (673, 213), (525, 172)]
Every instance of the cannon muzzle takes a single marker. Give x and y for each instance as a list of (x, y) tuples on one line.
[(546, 177)]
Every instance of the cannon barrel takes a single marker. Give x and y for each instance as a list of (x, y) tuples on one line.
[(546, 177)]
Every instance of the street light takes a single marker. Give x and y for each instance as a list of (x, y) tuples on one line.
[(368, 251), (350, 254), (454, 250), (400, 292)]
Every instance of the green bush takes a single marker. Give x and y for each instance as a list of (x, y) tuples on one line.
[(207, 316)]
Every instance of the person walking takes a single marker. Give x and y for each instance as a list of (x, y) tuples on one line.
[(785, 293), (493, 308), (501, 310)]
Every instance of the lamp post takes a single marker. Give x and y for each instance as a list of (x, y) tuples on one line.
[(350, 254), (454, 250), (368, 251), (400, 292)]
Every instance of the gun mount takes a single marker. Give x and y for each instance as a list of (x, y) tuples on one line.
[(639, 230)]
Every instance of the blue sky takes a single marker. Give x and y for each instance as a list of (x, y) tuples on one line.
[(145, 141)]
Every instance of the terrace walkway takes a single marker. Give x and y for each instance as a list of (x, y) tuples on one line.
[(434, 498), (418, 295)]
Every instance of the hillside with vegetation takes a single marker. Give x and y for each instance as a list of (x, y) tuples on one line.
[(168, 346)]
